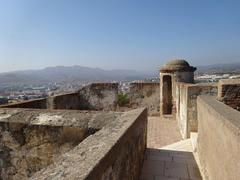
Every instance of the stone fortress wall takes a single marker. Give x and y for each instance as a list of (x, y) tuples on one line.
[(34, 104), (114, 152), (226, 91), (99, 96), (41, 135), (186, 104), (218, 142), (39, 144), (145, 95), (207, 114), (31, 140), (229, 93), (110, 145), (96, 96)]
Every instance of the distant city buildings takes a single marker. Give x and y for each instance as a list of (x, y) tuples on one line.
[(215, 77), (22, 92)]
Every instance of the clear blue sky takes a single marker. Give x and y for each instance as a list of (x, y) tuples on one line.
[(117, 34)]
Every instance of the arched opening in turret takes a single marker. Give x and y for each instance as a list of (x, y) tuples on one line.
[(167, 94)]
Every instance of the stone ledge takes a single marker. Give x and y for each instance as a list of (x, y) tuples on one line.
[(218, 139), (98, 155), (74, 118), (226, 114), (33, 139)]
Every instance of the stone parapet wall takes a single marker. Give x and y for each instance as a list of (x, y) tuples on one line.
[(96, 96), (114, 152), (27, 149), (99, 96), (186, 103), (193, 92), (36, 104), (145, 95), (64, 101), (229, 92), (218, 143), (181, 108), (31, 140)]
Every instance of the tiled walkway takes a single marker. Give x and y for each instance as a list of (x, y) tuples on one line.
[(162, 132), (167, 156)]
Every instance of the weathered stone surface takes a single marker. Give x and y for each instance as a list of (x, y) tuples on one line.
[(229, 92), (29, 149), (96, 96), (33, 139), (64, 101), (177, 65), (145, 95), (36, 104), (218, 144), (114, 152), (71, 144), (99, 96), (193, 92), (75, 118), (186, 95)]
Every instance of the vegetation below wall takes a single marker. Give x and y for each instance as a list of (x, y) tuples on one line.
[(123, 99)]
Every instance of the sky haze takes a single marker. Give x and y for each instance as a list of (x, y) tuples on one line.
[(111, 34)]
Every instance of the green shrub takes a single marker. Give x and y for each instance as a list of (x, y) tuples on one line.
[(123, 99)]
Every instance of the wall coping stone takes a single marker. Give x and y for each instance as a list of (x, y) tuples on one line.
[(72, 118), (226, 114), (229, 81), (23, 102), (91, 156)]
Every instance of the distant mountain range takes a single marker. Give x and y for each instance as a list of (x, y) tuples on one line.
[(220, 68), (64, 73), (80, 73)]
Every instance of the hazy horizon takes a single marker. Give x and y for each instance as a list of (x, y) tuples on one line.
[(135, 35), (146, 70)]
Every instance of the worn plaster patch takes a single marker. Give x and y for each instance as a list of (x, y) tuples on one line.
[(5, 116), (46, 118)]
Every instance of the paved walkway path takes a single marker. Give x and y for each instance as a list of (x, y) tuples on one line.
[(168, 157), (162, 132)]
